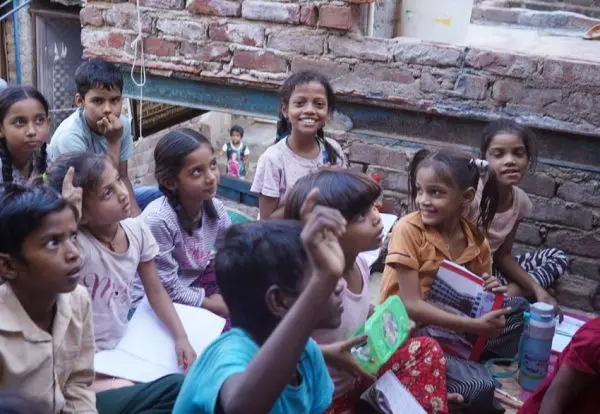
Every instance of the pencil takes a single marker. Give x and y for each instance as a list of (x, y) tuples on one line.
[(508, 399)]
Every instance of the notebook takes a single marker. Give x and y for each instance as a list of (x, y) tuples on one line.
[(389, 396), (564, 333), (147, 350)]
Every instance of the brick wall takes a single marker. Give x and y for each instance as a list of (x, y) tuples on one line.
[(259, 42)]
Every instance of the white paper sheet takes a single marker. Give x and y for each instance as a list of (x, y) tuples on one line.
[(399, 399), (564, 332), (388, 221), (147, 350)]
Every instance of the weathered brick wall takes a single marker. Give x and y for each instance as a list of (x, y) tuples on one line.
[(258, 42)]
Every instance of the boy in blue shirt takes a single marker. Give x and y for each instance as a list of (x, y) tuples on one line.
[(281, 281), (98, 126)]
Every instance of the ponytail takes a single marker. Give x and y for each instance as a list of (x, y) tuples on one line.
[(41, 160), (489, 203), (283, 128), (7, 167)]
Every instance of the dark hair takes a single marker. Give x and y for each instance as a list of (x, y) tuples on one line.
[(22, 210), (284, 128), (350, 192), (88, 166), (251, 258), (238, 129), (98, 73), (458, 170), (13, 402), (507, 126), (169, 157), (8, 97)]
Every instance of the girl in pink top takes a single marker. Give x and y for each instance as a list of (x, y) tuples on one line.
[(307, 100), (508, 149), (419, 364)]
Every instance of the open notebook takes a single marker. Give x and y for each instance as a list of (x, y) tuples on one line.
[(147, 350), (564, 332), (389, 396)]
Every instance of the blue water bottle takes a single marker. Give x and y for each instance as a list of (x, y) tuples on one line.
[(536, 345)]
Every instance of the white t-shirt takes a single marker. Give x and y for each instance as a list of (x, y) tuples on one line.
[(279, 168), (109, 277)]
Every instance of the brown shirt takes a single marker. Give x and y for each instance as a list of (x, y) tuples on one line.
[(421, 248), (55, 370)]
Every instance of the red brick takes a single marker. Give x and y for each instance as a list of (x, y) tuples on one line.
[(329, 68), (304, 41), (565, 72), (507, 91), (260, 60), (378, 155), (539, 184), (184, 29), (160, 47), (383, 73), (513, 65), (241, 33), (92, 16), (271, 11), (215, 7), (162, 4), (340, 17), (309, 14), (123, 18), (471, 87), (366, 49), (116, 40), (410, 51), (205, 53)]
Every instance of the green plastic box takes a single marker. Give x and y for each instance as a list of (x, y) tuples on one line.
[(386, 330)]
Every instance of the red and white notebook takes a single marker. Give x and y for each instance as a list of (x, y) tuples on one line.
[(459, 291)]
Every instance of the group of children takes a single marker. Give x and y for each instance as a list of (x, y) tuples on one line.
[(76, 256)]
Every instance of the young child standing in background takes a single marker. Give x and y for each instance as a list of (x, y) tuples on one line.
[(238, 163)]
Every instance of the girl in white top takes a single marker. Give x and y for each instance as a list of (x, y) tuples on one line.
[(508, 149), (307, 100), (115, 248)]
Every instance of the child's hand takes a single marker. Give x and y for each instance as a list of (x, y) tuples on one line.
[(542, 295), (185, 353), (72, 194), (216, 305), (338, 356), (491, 325), (320, 235), (111, 127), (491, 284)]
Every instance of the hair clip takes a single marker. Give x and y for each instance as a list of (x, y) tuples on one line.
[(479, 163), (44, 177)]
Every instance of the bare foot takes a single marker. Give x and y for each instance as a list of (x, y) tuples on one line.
[(455, 402)]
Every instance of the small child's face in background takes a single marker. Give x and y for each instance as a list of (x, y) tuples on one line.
[(363, 233), (236, 138), (109, 203), (307, 109), (99, 103), (507, 157), (26, 127), (199, 177), (436, 200), (51, 256)]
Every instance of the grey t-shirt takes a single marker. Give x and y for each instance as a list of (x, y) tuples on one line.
[(74, 134)]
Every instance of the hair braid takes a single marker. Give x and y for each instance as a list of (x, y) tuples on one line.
[(7, 169)]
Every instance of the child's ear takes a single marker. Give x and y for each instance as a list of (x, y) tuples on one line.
[(79, 100), (170, 185), (8, 270), (469, 195), (284, 109), (276, 302)]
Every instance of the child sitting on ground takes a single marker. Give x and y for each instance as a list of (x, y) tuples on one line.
[(237, 153), (573, 386), (281, 281), (187, 220), (98, 126), (116, 248), (354, 194)]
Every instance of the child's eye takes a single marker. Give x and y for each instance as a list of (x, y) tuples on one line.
[(436, 193), (74, 237), (116, 100), (196, 172), (19, 122), (52, 243), (40, 120), (107, 193)]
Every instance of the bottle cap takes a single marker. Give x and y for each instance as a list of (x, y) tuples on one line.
[(543, 309)]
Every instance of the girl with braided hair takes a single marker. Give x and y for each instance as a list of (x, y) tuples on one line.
[(24, 130), (187, 220)]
